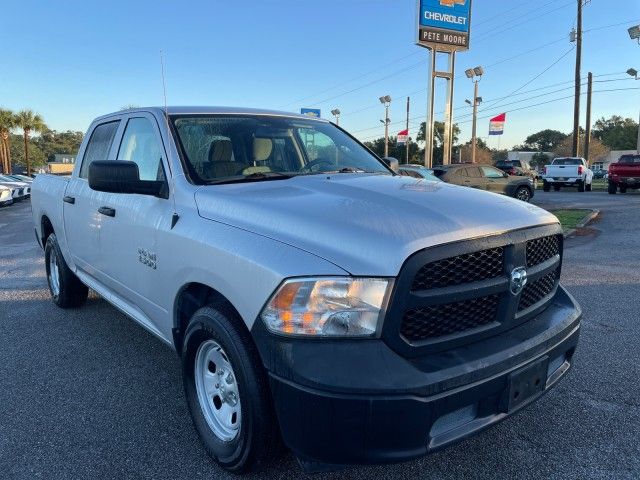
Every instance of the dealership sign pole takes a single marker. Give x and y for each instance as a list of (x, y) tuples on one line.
[(444, 26)]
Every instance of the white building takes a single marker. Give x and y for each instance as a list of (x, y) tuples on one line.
[(613, 157)]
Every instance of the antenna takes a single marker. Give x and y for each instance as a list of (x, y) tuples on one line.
[(175, 217)]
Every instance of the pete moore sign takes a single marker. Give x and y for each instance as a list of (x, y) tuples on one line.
[(444, 24)]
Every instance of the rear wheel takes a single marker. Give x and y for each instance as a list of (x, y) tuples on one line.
[(67, 291), (612, 189), (545, 186), (589, 187), (227, 391), (581, 186), (556, 188), (623, 189), (523, 193)]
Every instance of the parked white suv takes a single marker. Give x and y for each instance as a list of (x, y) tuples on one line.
[(567, 172), (314, 296)]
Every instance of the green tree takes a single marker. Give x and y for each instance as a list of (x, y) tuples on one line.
[(616, 133), (396, 151), (7, 122), (29, 122), (540, 159), (16, 145), (438, 139), (545, 140), (52, 142)]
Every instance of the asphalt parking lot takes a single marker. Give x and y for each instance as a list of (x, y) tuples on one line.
[(88, 394)]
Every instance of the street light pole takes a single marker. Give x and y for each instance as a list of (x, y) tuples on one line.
[(474, 136), (336, 113), (475, 74), (634, 73)]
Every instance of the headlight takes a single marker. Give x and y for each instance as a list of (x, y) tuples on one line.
[(337, 306)]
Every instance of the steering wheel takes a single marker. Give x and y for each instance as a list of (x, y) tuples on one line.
[(308, 168)]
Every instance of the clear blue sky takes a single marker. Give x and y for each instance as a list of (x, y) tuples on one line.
[(74, 60)]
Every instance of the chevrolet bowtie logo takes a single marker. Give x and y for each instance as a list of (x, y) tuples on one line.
[(451, 3)]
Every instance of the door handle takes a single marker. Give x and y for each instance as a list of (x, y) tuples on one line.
[(108, 211), (70, 200)]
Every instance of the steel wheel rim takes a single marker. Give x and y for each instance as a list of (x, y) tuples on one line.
[(217, 390), (523, 194), (54, 273)]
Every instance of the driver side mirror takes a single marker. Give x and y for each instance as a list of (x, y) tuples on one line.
[(392, 163), (119, 176)]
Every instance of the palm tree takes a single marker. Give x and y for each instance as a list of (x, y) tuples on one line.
[(29, 122), (7, 122)]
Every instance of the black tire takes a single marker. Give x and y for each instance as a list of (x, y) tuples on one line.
[(589, 187), (545, 186), (258, 438), (71, 292), (556, 188), (612, 188), (523, 193), (623, 189), (581, 186)]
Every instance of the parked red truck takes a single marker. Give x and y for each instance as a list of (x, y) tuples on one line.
[(624, 174)]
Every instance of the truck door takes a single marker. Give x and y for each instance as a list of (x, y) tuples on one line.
[(132, 245), (82, 222)]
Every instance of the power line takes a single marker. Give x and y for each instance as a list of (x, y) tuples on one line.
[(417, 120), (497, 30)]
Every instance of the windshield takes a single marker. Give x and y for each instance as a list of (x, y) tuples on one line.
[(219, 149)]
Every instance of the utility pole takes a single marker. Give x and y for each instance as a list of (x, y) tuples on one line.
[(386, 101), (408, 142), (587, 137), (576, 107)]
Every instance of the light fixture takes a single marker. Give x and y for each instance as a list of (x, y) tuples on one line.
[(468, 101), (469, 73), (633, 72), (335, 112), (634, 32), (385, 99), (479, 99), (479, 71)]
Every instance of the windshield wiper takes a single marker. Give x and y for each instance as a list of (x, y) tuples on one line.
[(252, 177)]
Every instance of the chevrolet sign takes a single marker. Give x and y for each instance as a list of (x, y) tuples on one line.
[(444, 24)]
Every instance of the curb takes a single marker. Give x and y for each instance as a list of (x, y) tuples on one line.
[(590, 217)]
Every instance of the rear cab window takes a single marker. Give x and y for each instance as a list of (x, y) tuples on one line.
[(99, 145), (630, 159)]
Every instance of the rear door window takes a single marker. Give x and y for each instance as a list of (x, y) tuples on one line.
[(99, 145)]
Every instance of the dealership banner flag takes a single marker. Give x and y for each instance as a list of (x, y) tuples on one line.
[(402, 136), (496, 124)]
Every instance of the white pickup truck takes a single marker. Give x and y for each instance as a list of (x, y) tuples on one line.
[(567, 172), (315, 298)]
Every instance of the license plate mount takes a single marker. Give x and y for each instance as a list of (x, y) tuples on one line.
[(526, 383)]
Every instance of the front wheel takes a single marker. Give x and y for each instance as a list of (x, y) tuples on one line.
[(227, 391), (612, 189), (523, 193), (67, 291), (545, 186), (589, 187), (556, 188)]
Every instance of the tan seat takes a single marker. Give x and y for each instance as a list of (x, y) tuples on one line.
[(221, 162)]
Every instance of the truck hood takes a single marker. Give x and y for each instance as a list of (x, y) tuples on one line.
[(365, 224)]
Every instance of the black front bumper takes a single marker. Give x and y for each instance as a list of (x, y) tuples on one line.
[(359, 402)]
